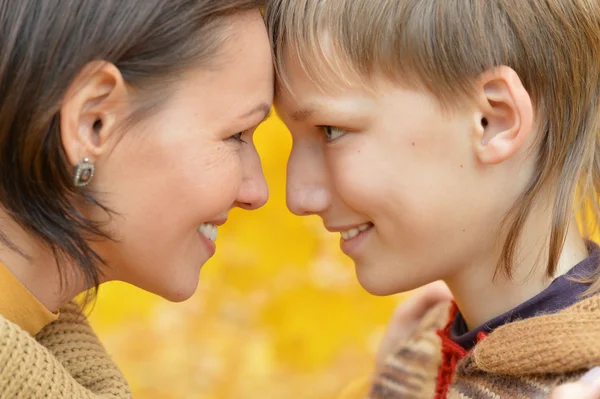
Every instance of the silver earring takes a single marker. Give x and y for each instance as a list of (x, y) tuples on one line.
[(84, 171)]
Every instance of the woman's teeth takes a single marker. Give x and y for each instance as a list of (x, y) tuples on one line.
[(209, 231), (350, 234)]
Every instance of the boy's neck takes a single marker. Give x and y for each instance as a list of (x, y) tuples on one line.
[(480, 299)]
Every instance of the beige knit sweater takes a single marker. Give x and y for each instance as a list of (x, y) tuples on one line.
[(65, 360), (524, 359)]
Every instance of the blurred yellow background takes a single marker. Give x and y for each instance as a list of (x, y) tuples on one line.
[(278, 313)]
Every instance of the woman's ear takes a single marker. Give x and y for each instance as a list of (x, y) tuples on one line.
[(505, 116), (90, 110)]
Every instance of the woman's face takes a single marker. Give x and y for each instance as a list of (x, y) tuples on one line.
[(173, 178)]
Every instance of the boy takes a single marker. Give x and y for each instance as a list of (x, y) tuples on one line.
[(455, 140)]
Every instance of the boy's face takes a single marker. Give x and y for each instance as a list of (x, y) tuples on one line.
[(397, 177)]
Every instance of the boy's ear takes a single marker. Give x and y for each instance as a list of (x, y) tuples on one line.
[(89, 111), (505, 117)]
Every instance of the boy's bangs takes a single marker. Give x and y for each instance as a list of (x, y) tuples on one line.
[(310, 35), (349, 42), (327, 67)]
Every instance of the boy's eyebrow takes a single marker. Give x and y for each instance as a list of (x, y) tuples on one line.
[(302, 114)]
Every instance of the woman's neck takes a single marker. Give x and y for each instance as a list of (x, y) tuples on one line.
[(38, 270), (480, 297)]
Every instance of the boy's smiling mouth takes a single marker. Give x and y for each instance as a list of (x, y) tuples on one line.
[(351, 235), (353, 232)]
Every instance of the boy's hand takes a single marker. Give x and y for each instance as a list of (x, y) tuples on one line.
[(588, 387), (407, 316)]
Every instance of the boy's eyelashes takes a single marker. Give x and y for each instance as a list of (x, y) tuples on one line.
[(333, 132)]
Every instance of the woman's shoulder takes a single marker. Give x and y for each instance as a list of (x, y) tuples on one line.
[(12, 336), (65, 359)]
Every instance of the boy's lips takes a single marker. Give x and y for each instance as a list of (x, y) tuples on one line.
[(348, 232), (352, 239)]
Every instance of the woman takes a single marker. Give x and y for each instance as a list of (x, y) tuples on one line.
[(125, 139)]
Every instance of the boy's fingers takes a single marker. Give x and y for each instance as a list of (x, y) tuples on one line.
[(415, 306), (588, 387), (579, 390), (407, 315), (592, 376)]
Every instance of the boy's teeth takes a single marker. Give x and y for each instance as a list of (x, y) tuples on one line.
[(350, 234), (365, 226), (209, 231)]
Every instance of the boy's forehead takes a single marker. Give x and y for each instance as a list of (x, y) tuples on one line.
[(318, 72), (304, 105), (298, 100)]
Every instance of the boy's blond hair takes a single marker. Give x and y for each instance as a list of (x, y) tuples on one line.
[(443, 46)]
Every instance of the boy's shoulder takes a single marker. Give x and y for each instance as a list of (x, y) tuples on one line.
[(561, 342), (529, 357)]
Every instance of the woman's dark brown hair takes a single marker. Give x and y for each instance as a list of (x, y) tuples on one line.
[(43, 46)]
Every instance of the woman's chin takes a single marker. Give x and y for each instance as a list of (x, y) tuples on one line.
[(183, 282), (179, 294), (177, 289)]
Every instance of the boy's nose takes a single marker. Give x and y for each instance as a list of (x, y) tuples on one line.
[(307, 183)]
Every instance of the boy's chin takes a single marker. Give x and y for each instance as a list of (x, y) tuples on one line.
[(380, 282), (378, 289)]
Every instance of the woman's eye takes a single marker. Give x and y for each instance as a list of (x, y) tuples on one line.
[(238, 137), (332, 133)]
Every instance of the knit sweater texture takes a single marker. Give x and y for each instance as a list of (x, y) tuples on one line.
[(64, 360), (522, 359)]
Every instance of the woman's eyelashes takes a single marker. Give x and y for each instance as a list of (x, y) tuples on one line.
[(239, 137)]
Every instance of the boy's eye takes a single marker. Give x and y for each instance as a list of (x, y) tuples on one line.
[(332, 133)]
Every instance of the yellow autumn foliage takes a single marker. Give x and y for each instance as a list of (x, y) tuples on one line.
[(278, 313)]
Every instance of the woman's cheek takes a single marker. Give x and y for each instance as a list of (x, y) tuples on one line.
[(226, 175)]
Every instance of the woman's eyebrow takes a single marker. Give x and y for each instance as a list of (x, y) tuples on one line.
[(263, 108)]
